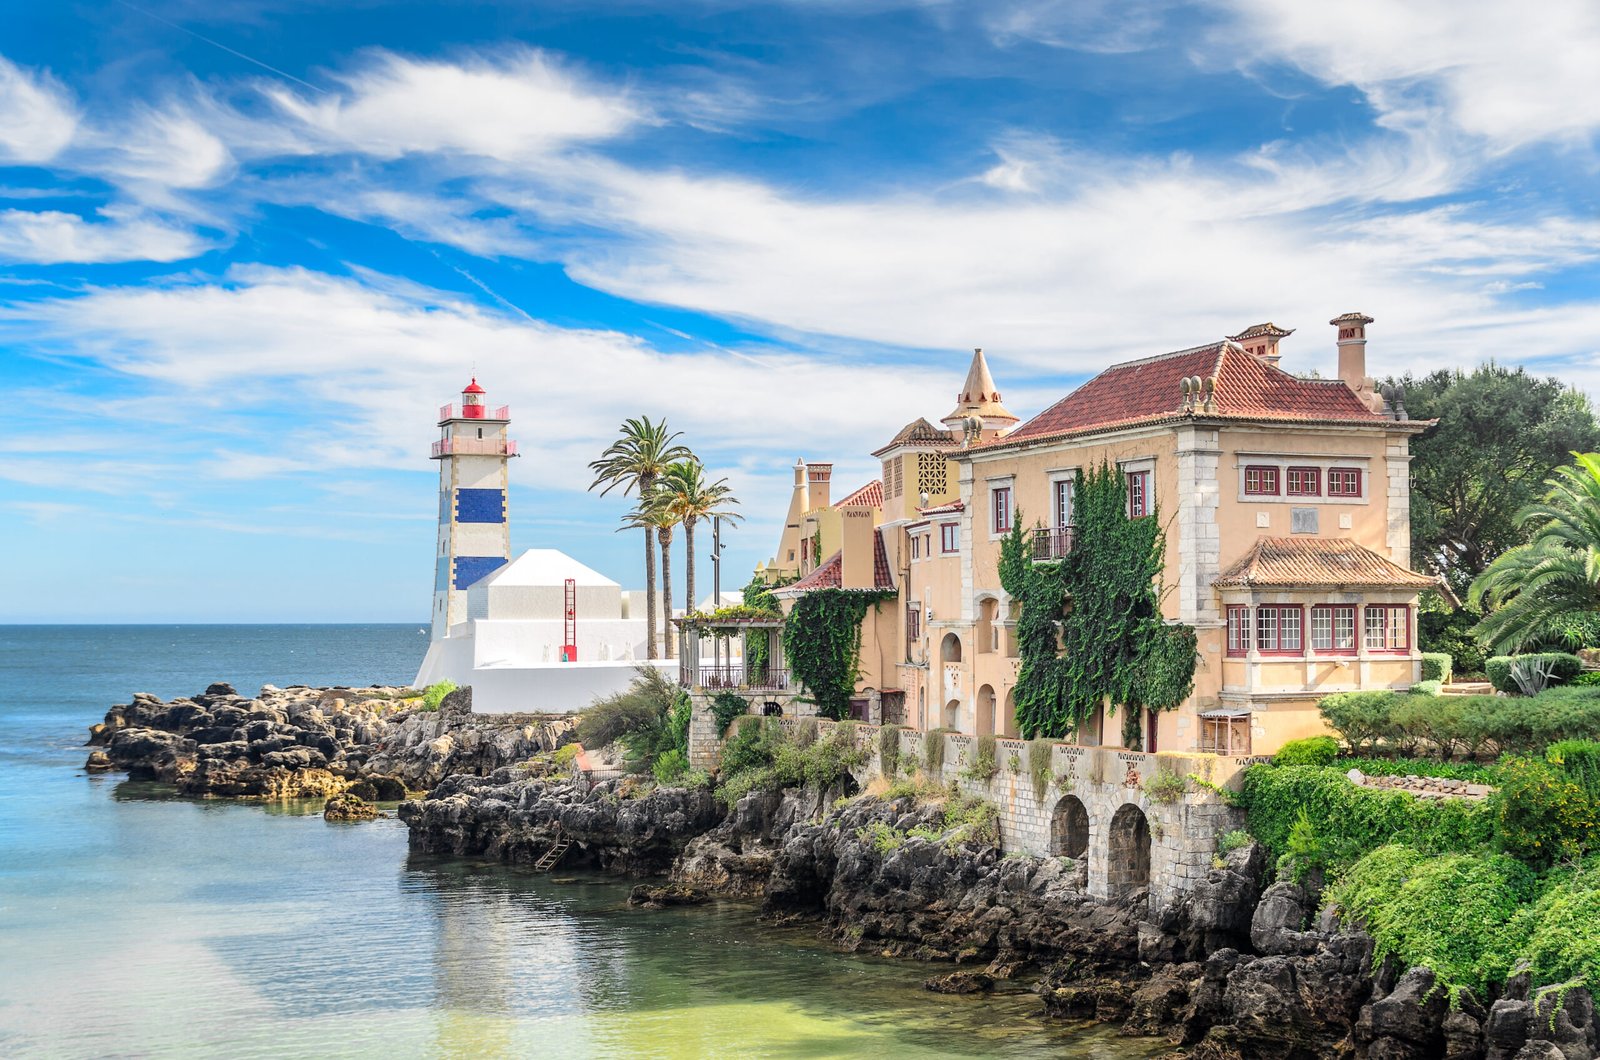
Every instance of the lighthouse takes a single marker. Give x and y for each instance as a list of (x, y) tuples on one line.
[(474, 530)]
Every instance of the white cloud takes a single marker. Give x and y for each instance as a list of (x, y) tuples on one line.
[(512, 107), (164, 148), (1509, 73), (48, 237), (37, 115)]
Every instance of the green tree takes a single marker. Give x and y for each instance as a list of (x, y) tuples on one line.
[(654, 513), (1501, 433), (640, 455), (1533, 591), (693, 499)]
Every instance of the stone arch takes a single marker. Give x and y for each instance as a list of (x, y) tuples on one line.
[(1009, 714), (952, 715), (988, 633), (950, 648), (1069, 828), (986, 703), (1128, 851)]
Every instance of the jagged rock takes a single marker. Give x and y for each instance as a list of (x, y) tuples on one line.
[(960, 983), (1408, 1024), (648, 897), (1276, 928), (348, 807), (99, 762), (221, 688), (1463, 1036)]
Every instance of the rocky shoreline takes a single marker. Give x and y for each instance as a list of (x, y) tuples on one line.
[(1238, 968)]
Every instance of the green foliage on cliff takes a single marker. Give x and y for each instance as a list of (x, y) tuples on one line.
[(761, 755), (1090, 630), (650, 718), (822, 641), (725, 706), (1463, 725), (435, 693)]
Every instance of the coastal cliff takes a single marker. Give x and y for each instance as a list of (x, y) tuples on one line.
[(1231, 970)]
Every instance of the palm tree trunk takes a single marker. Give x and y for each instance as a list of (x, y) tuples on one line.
[(665, 535), (689, 602), (649, 596)]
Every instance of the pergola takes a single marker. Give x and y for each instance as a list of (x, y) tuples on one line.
[(722, 670)]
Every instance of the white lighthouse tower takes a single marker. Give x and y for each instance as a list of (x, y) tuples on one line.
[(474, 528)]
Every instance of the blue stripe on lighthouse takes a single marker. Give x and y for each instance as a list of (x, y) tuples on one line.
[(472, 568), (480, 506)]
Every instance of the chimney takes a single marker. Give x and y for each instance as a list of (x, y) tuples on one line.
[(1353, 350), (1262, 340), (821, 475), (802, 495)]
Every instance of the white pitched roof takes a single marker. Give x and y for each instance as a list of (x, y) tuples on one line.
[(545, 566)]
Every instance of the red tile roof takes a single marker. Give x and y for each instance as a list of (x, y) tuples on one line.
[(870, 496), (1317, 563), (1149, 390), (830, 575), (944, 509)]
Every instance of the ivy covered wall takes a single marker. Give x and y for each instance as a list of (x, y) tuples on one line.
[(1090, 631), (822, 643)]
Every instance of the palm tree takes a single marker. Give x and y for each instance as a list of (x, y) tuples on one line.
[(653, 513), (693, 499), (1535, 589), (638, 457)]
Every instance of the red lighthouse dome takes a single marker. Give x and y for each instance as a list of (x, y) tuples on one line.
[(472, 401)]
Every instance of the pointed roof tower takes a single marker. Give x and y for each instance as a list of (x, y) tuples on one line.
[(980, 398)]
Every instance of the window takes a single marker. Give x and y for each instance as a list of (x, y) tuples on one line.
[(1002, 510), (1063, 491), (1344, 482), (1333, 628), (1305, 481), (1278, 629), (1261, 481), (1138, 494), (1238, 630), (916, 546), (913, 623), (1389, 628), (950, 537)]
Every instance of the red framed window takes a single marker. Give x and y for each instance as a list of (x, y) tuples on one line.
[(1333, 629), (1238, 630), (1344, 482), (1304, 481), (1388, 628), (1261, 481), (950, 537), (1002, 510), (1278, 629), (1138, 494)]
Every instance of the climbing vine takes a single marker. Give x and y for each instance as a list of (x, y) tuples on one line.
[(822, 641), (1090, 631), (758, 596)]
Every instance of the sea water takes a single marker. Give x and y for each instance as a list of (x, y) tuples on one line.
[(135, 923)]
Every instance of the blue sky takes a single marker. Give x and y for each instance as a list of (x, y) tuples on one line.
[(247, 249)]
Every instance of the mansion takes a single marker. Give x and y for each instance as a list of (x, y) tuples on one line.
[(1285, 504)]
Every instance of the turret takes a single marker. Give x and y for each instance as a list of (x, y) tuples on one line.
[(979, 401)]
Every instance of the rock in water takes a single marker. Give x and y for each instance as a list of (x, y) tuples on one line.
[(99, 762), (960, 983), (348, 807)]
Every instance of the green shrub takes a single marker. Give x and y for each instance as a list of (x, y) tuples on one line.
[(889, 750), (435, 693), (1472, 772), (643, 707), (1450, 633), (1039, 766), (1311, 751), (933, 749), (882, 837), (670, 765), (1436, 666), (1457, 914), (1362, 718), (1425, 722), (1166, 786), (1587, 679), (1428, 688), (725, 706), (1563, 930), (1350, 821), (1237, 839), (750, 745), (1501, 668), (964, 819), (983, 766), (1579, 761), (1541, 816), (771, 760)]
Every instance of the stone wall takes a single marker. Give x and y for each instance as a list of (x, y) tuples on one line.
[(1177, 819)]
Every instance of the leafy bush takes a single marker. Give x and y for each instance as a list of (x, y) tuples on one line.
[(983, 766), (1039, 762), (1362, 718), (1165, 786), (1350, 821), (1450, 633), (1457, 914), (1541, 816), (1472, 772), (670, 766), (1467, 725), (1311, 751), (963, 819), (1563, 930), (933, 749), (1579, 761), (1237, 839), (1501, 669), (889, 750), (1587, 679), (644, 704), (1436, 666), (725, 706), (764, 757), (435, 693), (1428, 688)]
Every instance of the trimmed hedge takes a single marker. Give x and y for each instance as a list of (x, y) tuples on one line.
[(1428, 688), (1436, 666), (1564, 668), (1311, 751), (1468, 726)]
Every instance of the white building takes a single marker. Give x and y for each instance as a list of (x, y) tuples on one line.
[(542, 632)]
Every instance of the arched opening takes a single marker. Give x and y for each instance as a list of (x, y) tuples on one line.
[(988, 629), (1128, 852), (952, 715), (950, 648), (1009, 715), (985, 710), (1069, 828)]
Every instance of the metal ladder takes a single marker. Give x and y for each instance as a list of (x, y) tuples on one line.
[(557, 851)]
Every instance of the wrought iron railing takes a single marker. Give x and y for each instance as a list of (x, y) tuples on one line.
[(1052, 543), (733, 676)]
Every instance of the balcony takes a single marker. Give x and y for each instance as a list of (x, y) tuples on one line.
[(473, 412), (473, 447), (1051, 543), (732, 677)]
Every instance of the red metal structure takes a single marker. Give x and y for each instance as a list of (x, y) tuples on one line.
[(569, 639)]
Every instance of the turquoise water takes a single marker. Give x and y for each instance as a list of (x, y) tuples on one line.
[(133, 923)]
